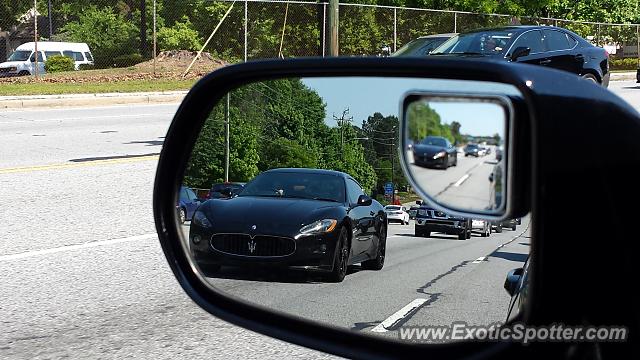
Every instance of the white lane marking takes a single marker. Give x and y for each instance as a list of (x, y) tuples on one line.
[(462, 179), (76, 247), (479, 260), (399, 315)]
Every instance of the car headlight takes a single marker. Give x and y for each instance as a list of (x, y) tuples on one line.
[(439, 155), (200, 219), (318, 227)]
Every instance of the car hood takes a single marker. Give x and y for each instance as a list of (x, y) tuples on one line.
[(269, 215), (7, 64), (428, 150)]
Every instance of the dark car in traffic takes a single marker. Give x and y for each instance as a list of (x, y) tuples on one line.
[(472, 150), (225, 190), (317, 220), (548, 46), (430, 220), (423, 45), (435, 151), (187, 204)]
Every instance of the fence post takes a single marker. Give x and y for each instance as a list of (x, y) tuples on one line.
[(455, 22), (35, 37), (155, 43), (324, 28), (638, 44), (245, 30), (395, 29)]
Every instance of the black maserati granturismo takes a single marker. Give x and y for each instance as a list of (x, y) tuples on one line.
[(317, 220)]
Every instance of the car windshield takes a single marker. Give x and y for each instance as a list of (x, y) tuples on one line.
[(392, 208), (420, 47), (472, 146), (296, 185), (20, 55), (434, 141), (485, 42)]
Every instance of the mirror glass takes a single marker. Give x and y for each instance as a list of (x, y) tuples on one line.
[(295, 199), (455, 149)]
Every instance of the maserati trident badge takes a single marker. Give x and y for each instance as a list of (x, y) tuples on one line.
[(252, 246)]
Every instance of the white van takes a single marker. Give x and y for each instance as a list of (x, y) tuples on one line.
[(22, 61)]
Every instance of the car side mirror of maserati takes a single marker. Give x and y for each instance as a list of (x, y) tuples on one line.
[(285, 256)]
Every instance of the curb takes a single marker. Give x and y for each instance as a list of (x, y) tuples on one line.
[(35, 101)]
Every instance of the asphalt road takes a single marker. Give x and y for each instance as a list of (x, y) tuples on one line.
[(84, 276), (465, 185)]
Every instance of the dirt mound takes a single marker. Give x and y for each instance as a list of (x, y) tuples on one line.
[(177, 61)]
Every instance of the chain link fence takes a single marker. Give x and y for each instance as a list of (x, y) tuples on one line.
[(256, 29)]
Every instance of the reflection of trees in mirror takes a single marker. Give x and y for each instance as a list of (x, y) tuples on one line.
[(424, 121), (274, 124)]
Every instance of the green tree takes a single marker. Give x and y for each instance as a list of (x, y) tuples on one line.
[(108, 34), (180, 36)]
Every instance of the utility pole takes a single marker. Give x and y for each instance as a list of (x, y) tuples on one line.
[(334, 6), (226, 140), (393, 184), (341, 122)]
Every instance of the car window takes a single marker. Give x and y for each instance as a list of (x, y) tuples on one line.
[(191, 195), (183, 195), (52, 53), (354, 190), (556, 40), (532, 40), (78, 56), (40, 57), (88, 56), (20, 55)]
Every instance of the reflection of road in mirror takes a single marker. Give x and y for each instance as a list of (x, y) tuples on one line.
[(466, 185), (446, 279)]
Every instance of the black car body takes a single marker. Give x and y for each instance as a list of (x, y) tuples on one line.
[(549, 46), (435, 151), (429, 220), (472, 150), (423, 45), (268, 223)]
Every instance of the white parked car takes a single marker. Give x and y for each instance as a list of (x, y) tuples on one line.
[(22, 61), (482, 227), (397, 213)]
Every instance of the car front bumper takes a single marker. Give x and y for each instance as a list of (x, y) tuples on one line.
[(429, 161), (443, 226), (310, 253)]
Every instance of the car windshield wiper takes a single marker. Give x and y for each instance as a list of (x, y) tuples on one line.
[(325, 199)]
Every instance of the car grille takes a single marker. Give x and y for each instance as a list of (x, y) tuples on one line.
[(260, 245)]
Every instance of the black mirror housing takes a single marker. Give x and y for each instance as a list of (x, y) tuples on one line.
[(512, 280), (364, 200)]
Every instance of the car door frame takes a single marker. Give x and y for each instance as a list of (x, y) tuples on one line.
[(360, 222), (564, 59)]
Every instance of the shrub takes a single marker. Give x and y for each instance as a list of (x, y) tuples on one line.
[(127, 60), (59, 63), (181, 36), (86, 67), (623, 64)]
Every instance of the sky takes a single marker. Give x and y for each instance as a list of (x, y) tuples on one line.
[(367, 95)]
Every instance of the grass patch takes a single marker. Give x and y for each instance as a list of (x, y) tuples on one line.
[(47, 88)]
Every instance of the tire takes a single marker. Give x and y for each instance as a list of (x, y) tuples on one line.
[(182, 215), (462, 235), (24, 73), (513, 228), (426, 234), (468, 234), (455, 161), (378, 262), (591, 78), (484, 233), (498, 228), (340, 258)]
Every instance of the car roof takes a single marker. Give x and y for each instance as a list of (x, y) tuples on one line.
[(309, 171), (432, 36), (55, 46)]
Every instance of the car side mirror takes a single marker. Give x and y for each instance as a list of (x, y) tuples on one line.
[(418, 202), (519, 52), (364, 200), (226, 192), (512, 280)]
